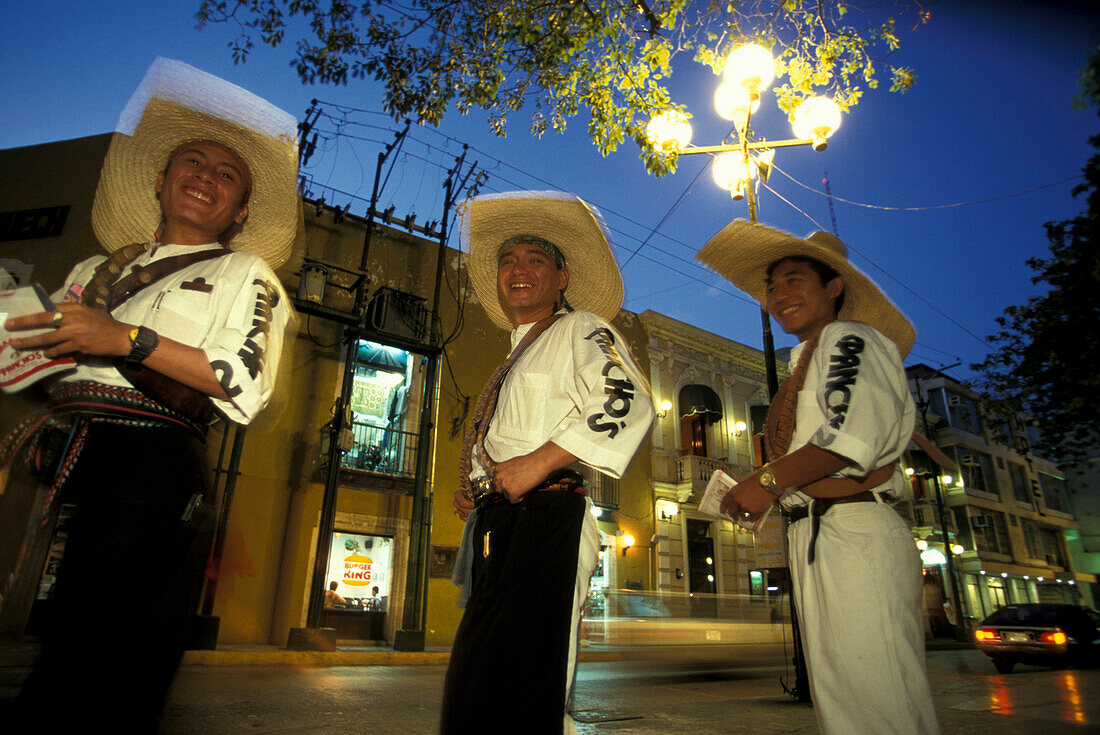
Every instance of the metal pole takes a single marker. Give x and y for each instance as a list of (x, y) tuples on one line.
[(952, 577), (411, 636), (327, 521), (231, 473), (801, 690)]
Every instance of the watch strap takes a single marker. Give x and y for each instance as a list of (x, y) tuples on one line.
[(767, 481), (143, 341)]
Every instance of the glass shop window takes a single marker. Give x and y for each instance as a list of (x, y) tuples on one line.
[(361, 567), (382, 420)]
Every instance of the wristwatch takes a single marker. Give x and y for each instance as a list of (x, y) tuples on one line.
[(767, 480), (142, 343)]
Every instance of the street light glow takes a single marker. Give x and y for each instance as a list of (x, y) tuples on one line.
[(816, 118), (750, 66), (733, 102), (730, 172), (669, 130)]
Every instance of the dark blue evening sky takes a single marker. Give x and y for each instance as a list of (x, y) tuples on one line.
[(940, 194)]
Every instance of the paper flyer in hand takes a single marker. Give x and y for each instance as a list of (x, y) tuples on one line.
[(18, 369), (720, 484)]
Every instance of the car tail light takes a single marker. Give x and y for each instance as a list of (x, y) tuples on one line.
[(985, 634), (1056, 637)]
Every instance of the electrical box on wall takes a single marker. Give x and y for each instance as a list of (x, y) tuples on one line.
[(398, 314)]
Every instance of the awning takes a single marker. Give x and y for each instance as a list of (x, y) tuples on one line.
[(700, 399)]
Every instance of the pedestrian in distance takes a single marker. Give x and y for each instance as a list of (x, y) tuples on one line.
[(179, 323), (568, 401), (835, 432)]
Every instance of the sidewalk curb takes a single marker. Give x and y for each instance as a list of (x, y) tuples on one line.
[(23, 655)]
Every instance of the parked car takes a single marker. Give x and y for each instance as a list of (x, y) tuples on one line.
[(1043, 634)]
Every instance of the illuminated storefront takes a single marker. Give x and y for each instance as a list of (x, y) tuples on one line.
[(360, 568)]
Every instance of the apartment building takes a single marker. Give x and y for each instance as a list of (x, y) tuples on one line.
[(712, 397), (1008, 510)]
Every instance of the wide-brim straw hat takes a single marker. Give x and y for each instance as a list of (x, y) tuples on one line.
[(175, 104), (742, 251), (577, 230)]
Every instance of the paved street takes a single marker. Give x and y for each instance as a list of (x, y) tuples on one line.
[(625, 698), (279, 693)]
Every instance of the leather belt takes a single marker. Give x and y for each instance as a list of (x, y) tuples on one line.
[(487, 493), (818, 508)]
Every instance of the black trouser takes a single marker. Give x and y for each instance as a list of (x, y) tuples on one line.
[(128, 583), (510, 655)]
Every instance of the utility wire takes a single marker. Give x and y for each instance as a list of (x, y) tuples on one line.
[(655, 230)]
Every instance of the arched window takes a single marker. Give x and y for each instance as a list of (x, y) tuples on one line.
[(699, 407)]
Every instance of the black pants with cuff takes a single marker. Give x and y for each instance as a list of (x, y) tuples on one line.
[(128, 584)]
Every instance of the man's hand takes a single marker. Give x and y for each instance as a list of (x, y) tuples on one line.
[(463, 505), (746, 496), (79, 330), (518, 476)]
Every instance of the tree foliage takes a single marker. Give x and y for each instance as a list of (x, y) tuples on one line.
[(1046, 362), (611, 58)]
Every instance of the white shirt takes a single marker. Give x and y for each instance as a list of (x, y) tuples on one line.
[(233, 308), (577, 386), (855, 403)]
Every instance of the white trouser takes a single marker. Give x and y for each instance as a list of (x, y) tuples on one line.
[(588, 557), (859, 605)]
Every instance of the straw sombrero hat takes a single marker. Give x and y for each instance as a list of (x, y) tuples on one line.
[(175, 104), (574, 227), (741, 253)]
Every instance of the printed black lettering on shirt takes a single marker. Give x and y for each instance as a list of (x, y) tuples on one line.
[(619, 390), (252, 353), (224, 373), (843, 371)]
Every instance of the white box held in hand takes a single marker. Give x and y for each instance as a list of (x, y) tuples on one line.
[(20, 368), (720, 484)]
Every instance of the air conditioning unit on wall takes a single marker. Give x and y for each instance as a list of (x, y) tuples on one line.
[(398, 314)]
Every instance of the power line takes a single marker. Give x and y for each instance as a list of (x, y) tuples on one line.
[(646, 243), (932, 206)]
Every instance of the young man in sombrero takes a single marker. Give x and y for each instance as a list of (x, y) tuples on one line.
[(568, 401), (835, 432), (196, 204)]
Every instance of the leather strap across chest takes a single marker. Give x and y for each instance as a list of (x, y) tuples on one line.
[(478, 427)]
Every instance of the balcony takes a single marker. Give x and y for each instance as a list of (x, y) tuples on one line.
[(380, 458), (604, 491), (697, 470)]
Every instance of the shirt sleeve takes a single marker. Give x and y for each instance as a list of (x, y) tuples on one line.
[(864, 397), (244, 350), (615, 408), (73, 286)]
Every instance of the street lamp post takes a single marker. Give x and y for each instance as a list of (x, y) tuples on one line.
[(749, 71)]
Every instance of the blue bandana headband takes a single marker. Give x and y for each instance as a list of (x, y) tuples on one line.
[(545, 245)]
